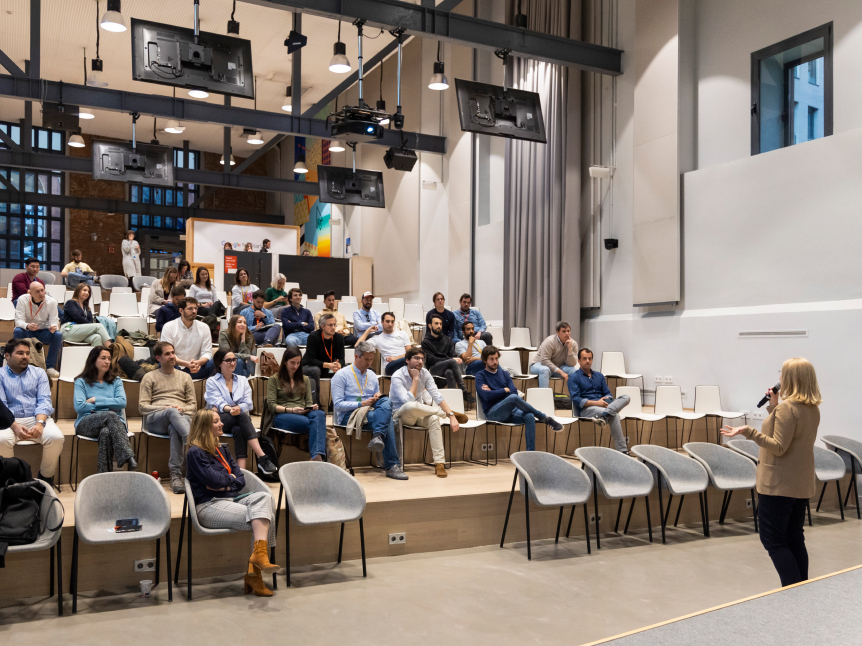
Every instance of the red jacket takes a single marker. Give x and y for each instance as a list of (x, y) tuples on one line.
[(21, 284)]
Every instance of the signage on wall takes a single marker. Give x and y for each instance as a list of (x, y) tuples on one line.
[(110, 249), (230, 264)]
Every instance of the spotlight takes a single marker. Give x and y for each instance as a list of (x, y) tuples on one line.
[(299, 166), (287, 106), (198, 94), (174, 127), (295, 41), (336, 146), (96, 78), (438, 78), (339, 64), (232, 162), (85, 113), (76, 141), (252, 136), (113, 20)]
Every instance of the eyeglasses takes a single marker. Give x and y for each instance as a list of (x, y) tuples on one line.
[(229, 360)]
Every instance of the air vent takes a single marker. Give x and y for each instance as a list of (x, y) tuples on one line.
[(771, 334)]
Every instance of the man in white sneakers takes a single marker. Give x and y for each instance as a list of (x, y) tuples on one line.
[(392, 344), (192, 340)]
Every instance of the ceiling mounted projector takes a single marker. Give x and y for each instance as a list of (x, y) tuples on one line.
[(356, 124)]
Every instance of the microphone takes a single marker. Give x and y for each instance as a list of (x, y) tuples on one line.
[(765, 399)]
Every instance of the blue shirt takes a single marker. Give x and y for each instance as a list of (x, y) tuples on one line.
[(219, 396), (108, 397), (583, 388), (296, 320), (248, 313), (362, 320), (473, 317), (27, 394), (350, 387), (402, 382), (496, 381), (165, 314)]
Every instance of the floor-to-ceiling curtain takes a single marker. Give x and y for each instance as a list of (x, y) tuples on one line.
[(535, 198)]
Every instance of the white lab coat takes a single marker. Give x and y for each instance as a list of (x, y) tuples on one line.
[(131, 258)]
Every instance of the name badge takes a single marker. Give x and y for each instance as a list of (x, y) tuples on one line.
[(359, 398)]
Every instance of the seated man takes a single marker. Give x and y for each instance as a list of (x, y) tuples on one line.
[(170, 311), (417, 402), (191, 340), (296, 321), (37, 317), (441, 358), (355, 387), (501, 402), (331, 307), (26, 391), (257, 317), (391, 343), (21, 283), (324, 352), (557, 356), (76, 266), (466, 313), (591, 397), (469, 349), (168, 401), (366, 317)]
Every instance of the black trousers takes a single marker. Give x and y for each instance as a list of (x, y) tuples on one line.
[(450, 371), (242, 429), (782, 522)]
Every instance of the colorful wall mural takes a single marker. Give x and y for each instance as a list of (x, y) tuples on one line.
[(309, 214)]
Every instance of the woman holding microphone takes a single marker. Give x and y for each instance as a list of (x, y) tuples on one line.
[(785, 469)]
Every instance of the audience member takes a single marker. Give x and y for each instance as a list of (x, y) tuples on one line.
[(167, 401), (216, 482), (365, 317), (501, 402), (160, 290), (249, 247), (99, 402), (391, 343), (341, 327), (37, 316), (237, 338), (357, 401), (447, 317), (80, 326), (76, 266), (261, 321), (204, 291), (417, 402), (228, 246), (288, 397), (229, 394), (265, 245), (170, 311), (441, 359), (276, 297), (26, 392), (296, 321), (324, 352), (131, 251), (557, 356), (591, 397), (184, 269), (469, 349), (191, 339), (21, 283), (242, 292), (467, 313)]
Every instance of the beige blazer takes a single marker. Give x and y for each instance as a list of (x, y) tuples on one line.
[(786, 462)]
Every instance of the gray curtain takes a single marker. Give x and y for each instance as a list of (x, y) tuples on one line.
[(535, 198)]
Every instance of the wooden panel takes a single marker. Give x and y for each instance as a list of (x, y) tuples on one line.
[(361, 275)]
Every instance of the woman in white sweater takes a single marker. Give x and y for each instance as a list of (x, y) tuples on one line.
[(241, 294)]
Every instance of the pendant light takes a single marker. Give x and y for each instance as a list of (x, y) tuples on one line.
[(438, 78), (174, 127), (232, 162), (336, 146), (85, 113), (76, 141), (113, 19), (253, 137), (339, 64), (287, 106), (299, 166)]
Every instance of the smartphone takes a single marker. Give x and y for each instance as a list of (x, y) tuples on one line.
[(307, 410), (126, 522)]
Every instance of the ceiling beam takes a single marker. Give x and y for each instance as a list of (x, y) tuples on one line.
[(9, 64), (260, 152), (432, 22), (191, 110)]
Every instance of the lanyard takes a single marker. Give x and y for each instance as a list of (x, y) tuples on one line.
[(356, 377), (368, 316), (222, 460), (37, 309), (330, 350)]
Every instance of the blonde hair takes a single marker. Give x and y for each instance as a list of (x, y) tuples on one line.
[(167, 283), (201, 433), (277, 278), (799, 382)]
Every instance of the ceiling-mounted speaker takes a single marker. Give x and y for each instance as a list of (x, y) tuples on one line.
[(400, 159)]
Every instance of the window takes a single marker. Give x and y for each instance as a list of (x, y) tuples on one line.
[(791, 88), (166, 196)]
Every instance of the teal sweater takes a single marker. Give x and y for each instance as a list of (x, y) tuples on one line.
[(108, 397)]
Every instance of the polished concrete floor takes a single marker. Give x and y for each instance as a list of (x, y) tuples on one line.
[(477, 596)]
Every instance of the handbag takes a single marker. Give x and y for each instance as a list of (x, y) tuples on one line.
[(268, 364), (20, 514)]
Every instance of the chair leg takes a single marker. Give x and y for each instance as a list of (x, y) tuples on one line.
[(159, 562), (596, 506), (340, 542), (702, 514), (527, 510), (559, 522), (51, 573), (724, 505), (74, 581), (679, 509), (820, 500), (60, 575), (168, 563), (278, 506), (706, 512), (571, 516), (189, 559), (648, 520), (619, 512), (72, 482), (362, 546), (855, 490), (287, 540), (808, 508), (509, 508), (180, 544), (660, 510), (754, 509), (667, 513), (629, 517), (840, 504), (586, 526)]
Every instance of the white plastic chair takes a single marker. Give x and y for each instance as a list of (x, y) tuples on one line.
[(121, 290), (314, 307), (497, 333), (519, 338), (304, 300), (480, 416), (123, 304), (614, 365), (668, 402), (707, 400), (397, 304), (278, 353), (95, 296), (635, 411), (512, 359), (381, 307), (320, 297), (7, 310), (542, 399), (347, 309), (348, 299), (69, 293), (72, 362), (349, 356), (57, 292), (414, 314), (376, 299), (105, 308), (455, 398), (132, 324)]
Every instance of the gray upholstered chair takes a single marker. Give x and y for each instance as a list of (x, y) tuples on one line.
[(828, 466), (677, 473), (728, 471), (190, 518), (109, 281), (138, 282), (748, 448), (319, 493), (47, 277), (620, 477), (549, 481), (103, 499), (851, 452), (52, 517)]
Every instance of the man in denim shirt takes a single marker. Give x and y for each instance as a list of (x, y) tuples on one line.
[(296, 321), (467, 314), (591, 397)]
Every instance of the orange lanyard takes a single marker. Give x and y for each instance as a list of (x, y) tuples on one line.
[(331, 348), (37, 309), (222, 460)]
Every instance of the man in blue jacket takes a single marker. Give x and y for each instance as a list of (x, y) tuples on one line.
[(501, 402), (296, 321), (260, 320), (591, 397), (469, 315)]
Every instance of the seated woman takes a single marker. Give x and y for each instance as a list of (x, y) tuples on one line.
[(184, 269), (216, 483), (288, 396), (205, 292), (161, 290), (99, 400), (276, 297), (229, 395), (238, 339), (80, 326), (242, 292)]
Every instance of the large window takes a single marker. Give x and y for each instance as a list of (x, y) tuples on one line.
[(166, 196), (791, 88)]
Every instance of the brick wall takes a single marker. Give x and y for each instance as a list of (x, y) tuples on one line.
[(233, 199)]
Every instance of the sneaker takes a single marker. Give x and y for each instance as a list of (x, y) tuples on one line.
[(396, 473), (554, 424), (177, 484), (46, 480), (376, 445), (469, 399), (53, 374), (265, 465)]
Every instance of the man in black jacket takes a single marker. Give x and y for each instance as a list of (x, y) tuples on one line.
[(324, 352), (441, 358)]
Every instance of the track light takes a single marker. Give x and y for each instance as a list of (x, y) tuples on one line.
[(339, 64), (438, 78), (76, 141), (336, 146), (85, 113), (113, 20), (198, 94), (253, 137), (287, 106), (299, 166), (232, 162), (174, 127)]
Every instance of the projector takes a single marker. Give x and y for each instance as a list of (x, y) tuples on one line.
[(356, 131)]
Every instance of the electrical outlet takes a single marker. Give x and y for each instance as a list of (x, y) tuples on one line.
[(147, 565), (659, 380), (593, 519), (490, 447), (758, 414), (683, 394), (484, 447), (398, 539), (748, 503), (668, 379)]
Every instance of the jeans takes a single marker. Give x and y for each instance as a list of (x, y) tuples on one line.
[(380, 420), (451, 371), (203, 373), (313, 374), (782, 522), (54, 341), (241, 428), (611, 415), (392, 366), (269, 335), (172, 423), (313, 425), (295, 338), (515, 410), (475, 366), (544, 373), (242, 368)]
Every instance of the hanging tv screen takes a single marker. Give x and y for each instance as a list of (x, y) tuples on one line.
[(491, 110), (169, 55), (146, 163), (347, 186)]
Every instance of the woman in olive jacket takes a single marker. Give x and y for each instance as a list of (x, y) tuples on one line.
[(785, 468)]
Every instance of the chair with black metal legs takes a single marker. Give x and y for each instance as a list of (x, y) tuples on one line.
[(480, 416), (549, 481), (828, 466), (851, 452), (318, 493), (619, 477), (728, 471), (75, 456), (190, 518), (679, 475)]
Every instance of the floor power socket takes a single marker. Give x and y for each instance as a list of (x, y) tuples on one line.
[(398, 539), (593, 519), (487, 447)]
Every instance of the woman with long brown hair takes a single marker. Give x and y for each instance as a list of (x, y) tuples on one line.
[(79, 324), (237, 338), (288, 397), (161, 290)]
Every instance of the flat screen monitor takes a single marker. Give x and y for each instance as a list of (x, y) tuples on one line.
[(146, 163), (168, 55), (490, 110), (347, 186)]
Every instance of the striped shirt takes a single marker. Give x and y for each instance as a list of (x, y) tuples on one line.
[(27, 394)]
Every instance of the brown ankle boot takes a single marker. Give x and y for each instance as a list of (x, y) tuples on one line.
[(440, 470), (254, 583), (260, 558)]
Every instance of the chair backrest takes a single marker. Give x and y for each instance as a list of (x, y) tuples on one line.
[(748, 448), (668, 400), (547, 473), (511, 359), (278, 353), (720, 460), (480, 412), (846, 447), (132, 324), (454, 397), (73, 359), (634, 405), (349, 356), (542, 399), (102, 498), (7, 310), (70, 292), (142, 352), (121, 290), (613, 363), (47, 277), (376, 299), (110, 281), (347, 309), (252, 484), (57, 292), (531, 358), (139, 282), (396, 303), (105, 308), (613, 467), (304, 300), (497, 333), (124, 304), (519, 337), (348, 299), (314, 307), (828, 463), (320, 484), (412, 313), (707, 399), (95, 295), (673, 466), (320, 297), (381, 307)]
